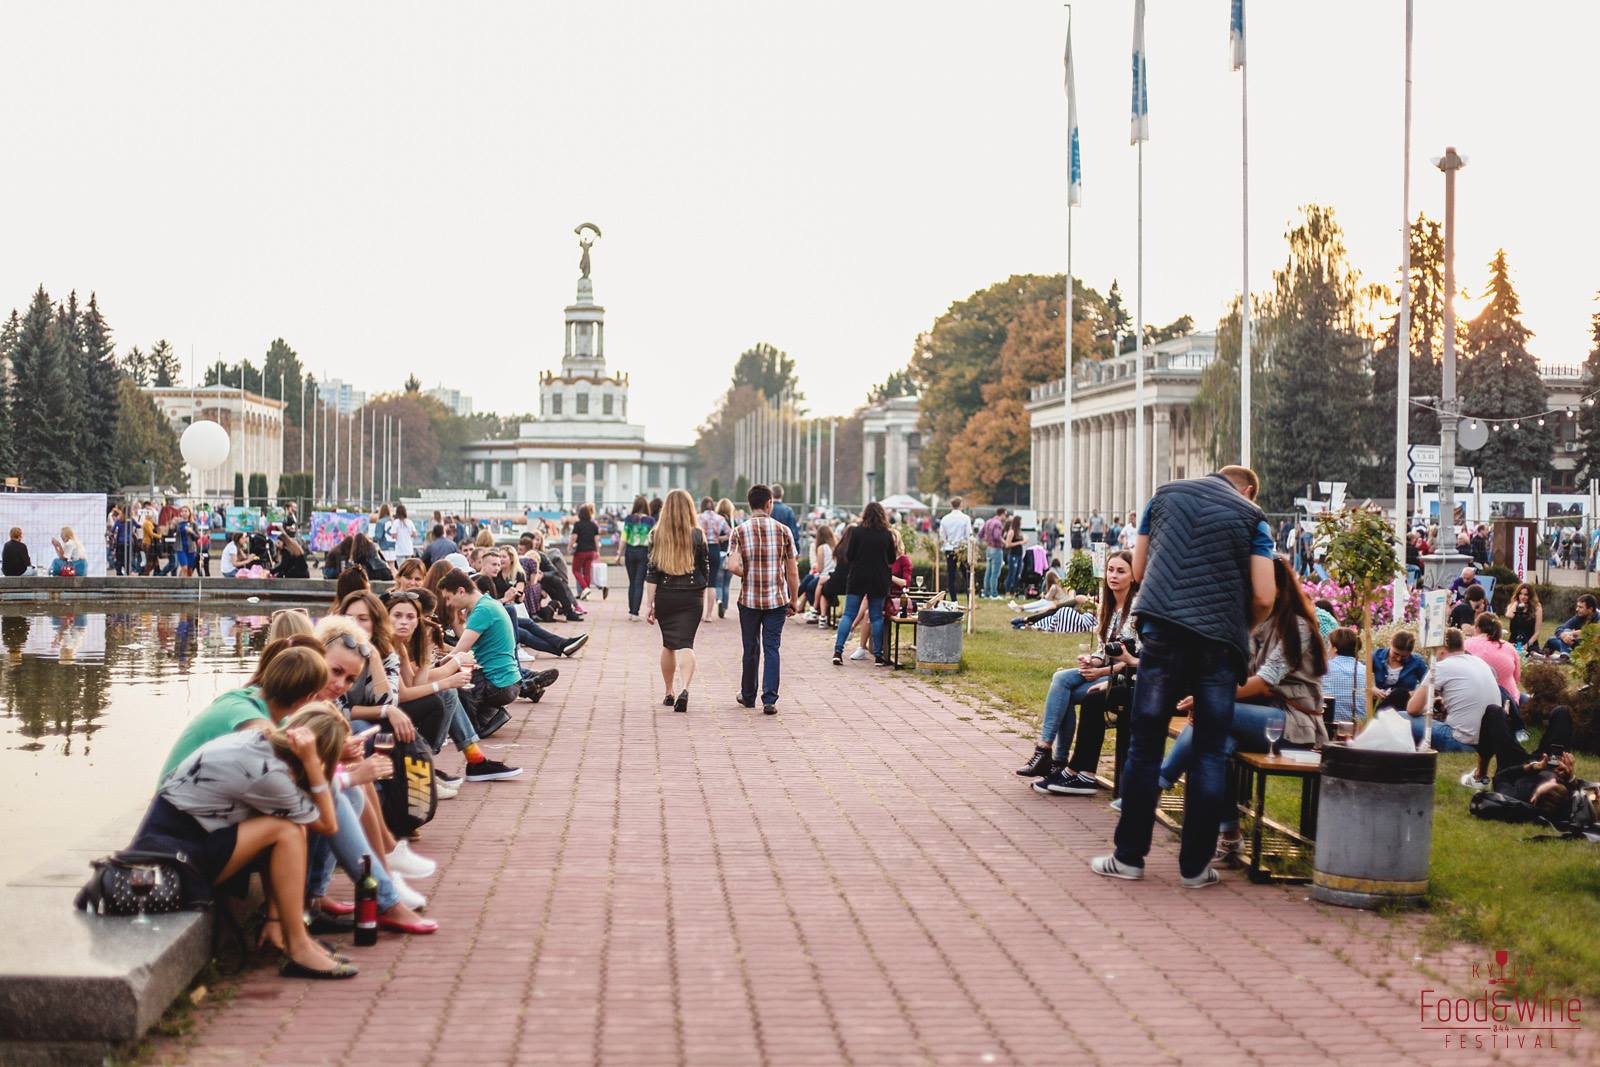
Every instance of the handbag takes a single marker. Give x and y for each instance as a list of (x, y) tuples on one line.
[(410, 797), (109, 891)]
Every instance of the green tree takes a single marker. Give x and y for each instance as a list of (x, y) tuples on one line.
[(136, 366), (413, 384), (1426, 341), (1499, 381), (144, 436), (1315, 398), (41, 412), (165, 370), (282, 372), (230, 374), (10, 336), (899, 383), (1588, 415), (1119, 326), (766, 370), (1182, 326), (99, 411)]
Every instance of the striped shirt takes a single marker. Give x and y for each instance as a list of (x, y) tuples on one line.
[(766, 547)]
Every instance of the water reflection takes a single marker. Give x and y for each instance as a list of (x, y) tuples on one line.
[(92, 694)]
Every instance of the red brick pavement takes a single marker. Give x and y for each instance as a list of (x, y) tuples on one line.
[(860, 879)]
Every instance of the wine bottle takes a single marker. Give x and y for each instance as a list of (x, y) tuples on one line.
[(366, 905)]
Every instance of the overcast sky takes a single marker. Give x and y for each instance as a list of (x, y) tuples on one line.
[(393, 187)]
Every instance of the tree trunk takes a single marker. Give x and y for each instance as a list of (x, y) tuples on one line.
[(1366, 659)]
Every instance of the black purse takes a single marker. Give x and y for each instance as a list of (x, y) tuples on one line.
[(109, 890)]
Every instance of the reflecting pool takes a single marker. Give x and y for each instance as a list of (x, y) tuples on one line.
[(92, 695)]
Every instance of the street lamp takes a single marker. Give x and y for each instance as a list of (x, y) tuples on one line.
[(1449, 404)]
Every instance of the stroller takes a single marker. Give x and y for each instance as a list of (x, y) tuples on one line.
[(264, 549), (1033, 570)]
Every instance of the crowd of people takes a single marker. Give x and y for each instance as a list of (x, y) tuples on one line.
[(1216, 627)]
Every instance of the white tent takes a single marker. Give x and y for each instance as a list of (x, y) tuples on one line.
[(902, 502)]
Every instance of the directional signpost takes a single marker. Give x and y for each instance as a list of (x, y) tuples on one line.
[(1423, 467)]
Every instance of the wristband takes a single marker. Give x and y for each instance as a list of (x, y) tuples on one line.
[(320, 787), (435, 687)]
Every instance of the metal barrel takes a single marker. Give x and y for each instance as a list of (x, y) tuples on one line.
[(939, 635), (1374, 827)]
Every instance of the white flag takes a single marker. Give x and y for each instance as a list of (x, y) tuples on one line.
[(1141, 83), (1236, 33), (1075, 186)]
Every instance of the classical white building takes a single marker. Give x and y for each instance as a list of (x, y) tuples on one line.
[(254, 424), (1103, 427), (889, 433), (581, 448)]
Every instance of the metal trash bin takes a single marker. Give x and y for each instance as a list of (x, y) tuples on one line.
[(939, 637), (1374, 827)]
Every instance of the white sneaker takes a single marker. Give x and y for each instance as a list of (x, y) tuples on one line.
[(405, 894), (1116, 805), (1108, 866), (446, 790), (861, 653), (1473, 782), (1209, 876), (404, 861)]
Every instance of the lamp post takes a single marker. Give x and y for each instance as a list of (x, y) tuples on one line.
[(1446, 558)]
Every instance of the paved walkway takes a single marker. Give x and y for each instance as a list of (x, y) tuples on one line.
[(860, 879)]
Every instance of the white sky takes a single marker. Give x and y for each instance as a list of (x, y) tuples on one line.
[(393, 187)]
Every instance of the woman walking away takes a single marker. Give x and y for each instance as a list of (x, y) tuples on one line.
[(585, 549), (870, 553), (635, 553), (674, 588), (724, 575), (716, 531), (403, 532)]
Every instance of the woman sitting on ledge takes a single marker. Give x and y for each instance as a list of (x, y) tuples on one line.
[(213, 808), (14, 561)]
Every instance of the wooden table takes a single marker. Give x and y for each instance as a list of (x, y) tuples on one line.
[(1260, 766), (896, 623)]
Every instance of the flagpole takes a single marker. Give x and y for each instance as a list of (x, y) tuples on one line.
[(1141, 465), (1402, 403), (1245, 368), (1066, 392)]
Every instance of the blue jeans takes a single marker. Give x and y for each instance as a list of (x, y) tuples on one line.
[(1014, 570), (852, 608), (723, 579), (1067, 690), (347, 845), (713, 566), (1443, 738), (994, 559), (1246, 734), (453, 724), (761, 629), (536, 637), (637, 560), (1174, 662)]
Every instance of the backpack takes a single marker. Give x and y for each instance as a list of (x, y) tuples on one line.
[(410, 797), (1497, 807)]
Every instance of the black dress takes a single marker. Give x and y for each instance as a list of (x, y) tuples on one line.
[(680, 598)]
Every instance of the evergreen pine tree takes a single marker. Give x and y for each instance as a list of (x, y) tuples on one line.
[(40, 411), (164, 368), (1589, 414), (1499, 381), (98, 414), (136, 366), (1315, 420), (74, 354), (1427, 333), (1121, 324), (10, 334)]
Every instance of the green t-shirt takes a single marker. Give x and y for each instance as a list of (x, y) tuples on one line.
[(220, 719), (496, 646), (636, 530)]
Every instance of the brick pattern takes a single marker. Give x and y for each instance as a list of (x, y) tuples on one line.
[(860, 879)]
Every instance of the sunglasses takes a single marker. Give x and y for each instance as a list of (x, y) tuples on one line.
[(360, 648), (404, 594)]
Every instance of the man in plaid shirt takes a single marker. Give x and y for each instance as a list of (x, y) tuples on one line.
[(765, 561)]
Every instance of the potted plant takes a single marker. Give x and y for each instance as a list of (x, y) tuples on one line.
[(1360, 556)]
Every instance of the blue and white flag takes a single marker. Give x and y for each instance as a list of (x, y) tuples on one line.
[(1141, 80), (1236, 33), (1075, 187)]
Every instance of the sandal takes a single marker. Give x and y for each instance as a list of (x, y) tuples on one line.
[(291, 969)]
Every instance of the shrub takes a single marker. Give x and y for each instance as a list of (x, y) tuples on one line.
[(1547, 685), (1080, 574)]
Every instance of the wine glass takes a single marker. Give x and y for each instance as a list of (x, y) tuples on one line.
[(1274, 732), (142, 881), (921, 581), (383, 742), (1344, 731)]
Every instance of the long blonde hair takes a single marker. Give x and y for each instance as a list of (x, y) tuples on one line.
[(326, 723), (672, 541)]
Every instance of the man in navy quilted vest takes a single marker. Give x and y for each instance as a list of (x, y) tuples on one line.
[(1204, 563)]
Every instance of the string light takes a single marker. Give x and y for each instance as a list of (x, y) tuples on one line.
[(1516, 425), (1541, 420), (1497, 427)]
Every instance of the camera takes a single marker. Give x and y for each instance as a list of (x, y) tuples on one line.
[(1116, 647), (1555, 752)]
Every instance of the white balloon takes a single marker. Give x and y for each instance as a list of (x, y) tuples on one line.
[(204, 445)]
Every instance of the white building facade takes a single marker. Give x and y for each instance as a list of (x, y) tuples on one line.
[(581, 448), (1104, 433), (891, 448), (255, 432)]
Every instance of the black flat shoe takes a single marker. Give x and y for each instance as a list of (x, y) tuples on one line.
[(668, 701), (682, 703), (291, 969), (745, 702), (323, 923)]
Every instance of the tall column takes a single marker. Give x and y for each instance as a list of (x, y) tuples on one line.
[(1116, 461), (1051, 497), (869, 460), (1080, 452), (566, 483), (588, 483), (1034, 476), (637, 486), (611, 496), (1161, 447)]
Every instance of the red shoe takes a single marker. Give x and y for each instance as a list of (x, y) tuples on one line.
[(336, 907), (421, 926)]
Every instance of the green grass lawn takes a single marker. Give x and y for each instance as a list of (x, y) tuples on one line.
[(1540, 900)]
